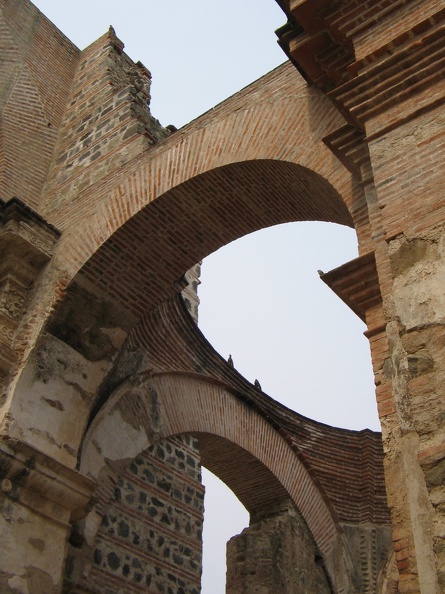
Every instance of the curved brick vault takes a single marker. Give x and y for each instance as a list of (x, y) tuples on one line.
[(128, 240), (112, 209), (222, 176), (352, 480), (263, 451), (148, 408), (138, 270), (239, 445), (141, 262), (133, 219)]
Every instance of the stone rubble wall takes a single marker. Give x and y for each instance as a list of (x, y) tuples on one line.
[(150, 535)]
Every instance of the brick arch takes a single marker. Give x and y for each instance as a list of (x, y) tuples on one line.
[(266, 135), (148, 408), (252, 127), (147, 255)]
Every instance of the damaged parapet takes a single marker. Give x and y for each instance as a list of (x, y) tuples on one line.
[(107, 122)]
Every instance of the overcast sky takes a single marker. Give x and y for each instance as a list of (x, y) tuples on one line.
[(261, 298)]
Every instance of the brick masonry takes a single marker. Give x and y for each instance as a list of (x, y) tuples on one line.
[(37, 69), (101, 365), (275, 554)]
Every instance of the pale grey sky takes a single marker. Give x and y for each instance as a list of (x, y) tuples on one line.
[(261, 298)]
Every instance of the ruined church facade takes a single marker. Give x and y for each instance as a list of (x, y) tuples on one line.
[(111, 398)]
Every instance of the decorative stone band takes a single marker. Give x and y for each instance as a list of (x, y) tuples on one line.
[(31, 479), (22, 225)]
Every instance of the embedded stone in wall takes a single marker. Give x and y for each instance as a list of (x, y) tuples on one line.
[(190, 293), (107, 122), (150, 537)]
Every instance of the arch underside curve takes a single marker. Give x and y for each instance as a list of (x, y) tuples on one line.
[(231, 157), (131, 240), (143, 261), (149, 408), (130, 236), (174, 344), (288, 454)]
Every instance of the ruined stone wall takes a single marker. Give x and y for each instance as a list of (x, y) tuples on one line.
[(412, 272), (276, 555), (107, 123), (79, 145), (150, 534), (190, 293), (26, 245), (389, 82), (39, 498), (407, 154)]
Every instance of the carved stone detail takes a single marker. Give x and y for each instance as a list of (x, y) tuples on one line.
[(26, 244), (19, 222), (11, 300)]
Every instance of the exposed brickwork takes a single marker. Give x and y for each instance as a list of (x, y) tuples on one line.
[(394, 92), (298, 462), (275, 555), (357, 453), (150, 536), (319, 181), (361, 145), (38, 64), (107, 122), (419, 143), (251, 196)]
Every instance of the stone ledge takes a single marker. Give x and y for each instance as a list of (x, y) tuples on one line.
[(356, 283), (36, 481), (28, 230)]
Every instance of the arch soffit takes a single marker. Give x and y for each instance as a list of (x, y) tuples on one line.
[(279, 119), (149, 408), (150, 252)]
